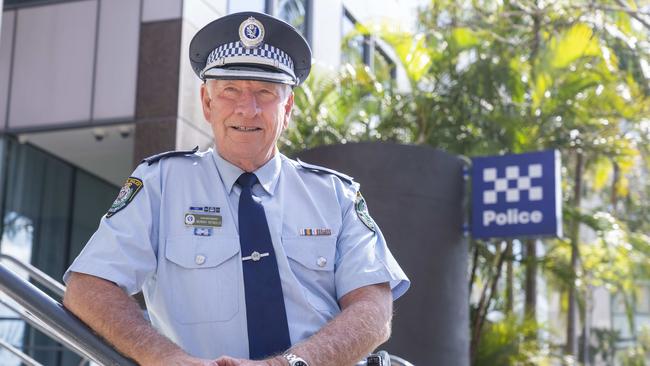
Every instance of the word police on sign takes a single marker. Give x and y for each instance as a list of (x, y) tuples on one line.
[(516, 195)]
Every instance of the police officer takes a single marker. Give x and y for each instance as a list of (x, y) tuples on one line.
[(244, 257)]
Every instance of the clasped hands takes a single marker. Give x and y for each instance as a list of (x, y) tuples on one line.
[(229, 361)]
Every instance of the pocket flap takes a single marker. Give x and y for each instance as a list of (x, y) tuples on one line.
[(201, 252), (316, 253)]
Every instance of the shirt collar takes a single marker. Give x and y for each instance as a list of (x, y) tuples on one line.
[(267, 174)]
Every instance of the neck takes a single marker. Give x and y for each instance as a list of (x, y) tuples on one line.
[(250, 165)]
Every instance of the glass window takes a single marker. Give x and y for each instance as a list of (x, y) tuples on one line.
[(358, 49), (85, 217), (235, 6), (51, 210), (294, 12), (352, 44), (383, 66)]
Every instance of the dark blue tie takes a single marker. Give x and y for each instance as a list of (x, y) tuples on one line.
[(268, 332)]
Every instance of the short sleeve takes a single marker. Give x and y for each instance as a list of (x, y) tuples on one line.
[(362, 256), (123, 250)]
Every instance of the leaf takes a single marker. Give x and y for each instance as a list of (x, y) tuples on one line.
[(602, 173), (464, 37), (577, 42), (413, 53), (542, 83)]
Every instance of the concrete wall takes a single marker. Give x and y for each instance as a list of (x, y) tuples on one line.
[(414, 193), (68, 63), (192, 129)]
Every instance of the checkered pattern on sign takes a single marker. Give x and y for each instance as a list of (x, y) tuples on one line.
[(512, 184), (234, 49)]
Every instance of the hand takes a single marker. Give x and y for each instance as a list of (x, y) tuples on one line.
[(229, 361)]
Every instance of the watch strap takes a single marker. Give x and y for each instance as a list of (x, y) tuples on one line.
[(295, 360)]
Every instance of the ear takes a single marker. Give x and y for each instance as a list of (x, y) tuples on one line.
[(205, 101), (288, 107)]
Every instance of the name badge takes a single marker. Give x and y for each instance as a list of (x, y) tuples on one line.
[(202, 220)]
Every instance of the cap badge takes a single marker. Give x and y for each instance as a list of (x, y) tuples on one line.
[(251, 33)]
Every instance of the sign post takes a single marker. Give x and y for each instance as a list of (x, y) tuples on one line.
[(516, 195)]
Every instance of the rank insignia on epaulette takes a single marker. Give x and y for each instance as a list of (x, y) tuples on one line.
[(131, 187), (362, 211)]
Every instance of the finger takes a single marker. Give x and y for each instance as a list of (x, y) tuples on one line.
[(227, 361)]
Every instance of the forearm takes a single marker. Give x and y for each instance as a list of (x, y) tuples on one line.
[(363, 324), (118, 318)]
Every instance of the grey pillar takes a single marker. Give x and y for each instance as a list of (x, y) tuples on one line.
[(157, 94), (415, 195)]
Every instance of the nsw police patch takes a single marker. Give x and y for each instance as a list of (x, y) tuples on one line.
[(362, 211), (126, 195)]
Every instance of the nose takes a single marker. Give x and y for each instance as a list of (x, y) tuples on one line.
[(247, 105)]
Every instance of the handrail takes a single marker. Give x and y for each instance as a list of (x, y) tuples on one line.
[(40, 325), (18, 353), (62, 325), (38, 275)]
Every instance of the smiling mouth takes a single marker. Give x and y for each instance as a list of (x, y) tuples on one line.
[(246, 129)]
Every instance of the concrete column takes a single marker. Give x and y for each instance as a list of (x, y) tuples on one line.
[(415, 193), (157, 91)]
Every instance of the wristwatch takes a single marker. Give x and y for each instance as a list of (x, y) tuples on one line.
[(295, 360)]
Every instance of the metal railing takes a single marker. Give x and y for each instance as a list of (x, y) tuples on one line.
[(37, 275), (18, 353), (49, 316)]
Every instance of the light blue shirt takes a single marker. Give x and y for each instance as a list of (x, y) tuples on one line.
[(192, 277)]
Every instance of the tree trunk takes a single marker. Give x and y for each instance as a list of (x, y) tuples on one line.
[(484, 302), (472, 275), (530, 303), (510, 297), (571, 334), (614, 196)]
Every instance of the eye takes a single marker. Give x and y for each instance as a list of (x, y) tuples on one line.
[(230, 91)]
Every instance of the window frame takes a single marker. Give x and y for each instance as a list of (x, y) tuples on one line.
[(271, 7), (371, 47), (21, 4)]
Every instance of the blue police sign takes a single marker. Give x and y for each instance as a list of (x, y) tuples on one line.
[(517, 195)]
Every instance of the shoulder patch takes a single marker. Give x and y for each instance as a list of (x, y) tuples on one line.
[(322, 170), (152, 159), (362, 212), (131, 187)]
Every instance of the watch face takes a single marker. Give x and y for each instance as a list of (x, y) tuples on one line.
[(300, 363)]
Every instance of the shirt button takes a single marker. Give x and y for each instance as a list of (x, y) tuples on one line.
[(199, 259), (321, 261)]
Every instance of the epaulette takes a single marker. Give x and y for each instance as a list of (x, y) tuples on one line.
[(322, 170), (152, 159)]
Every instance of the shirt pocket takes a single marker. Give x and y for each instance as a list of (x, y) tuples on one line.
[(312, 262), (204, 275)]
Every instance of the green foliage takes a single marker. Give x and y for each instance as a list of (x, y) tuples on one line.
[(638, 354), (492, 77), (512, 341), (335, 108)]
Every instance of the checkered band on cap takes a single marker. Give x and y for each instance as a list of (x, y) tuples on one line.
[(236, 52)]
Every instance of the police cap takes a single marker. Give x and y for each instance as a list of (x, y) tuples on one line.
[(250, 46)]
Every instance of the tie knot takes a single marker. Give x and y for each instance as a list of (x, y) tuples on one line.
[(247, 180)]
